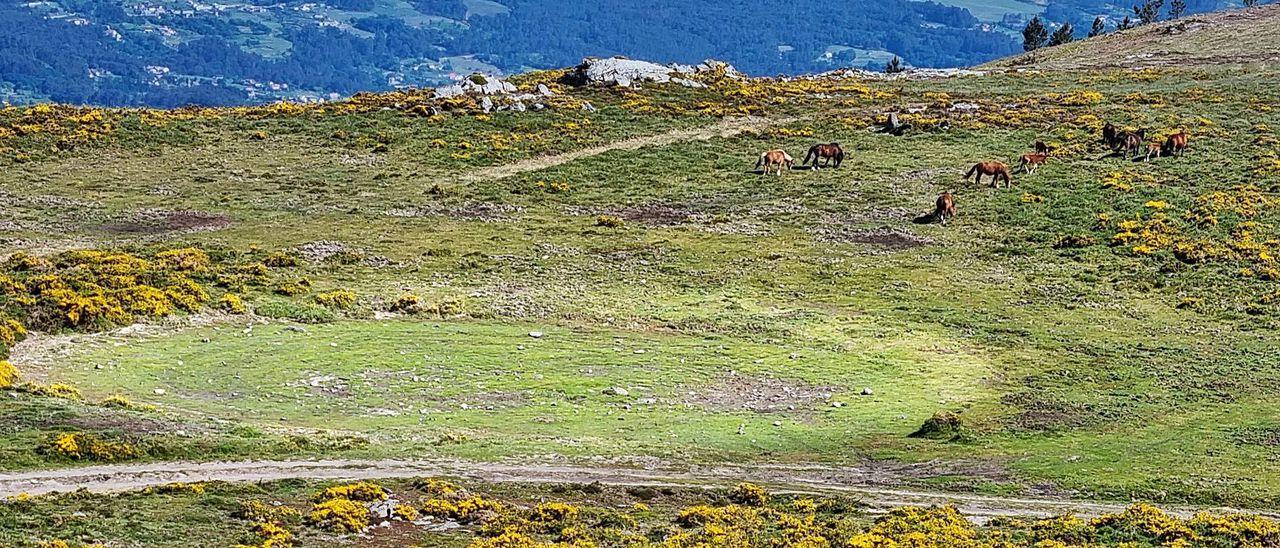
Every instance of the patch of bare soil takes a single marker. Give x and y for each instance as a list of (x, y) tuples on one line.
[(890, 239), (759, 394), (160, 221), (1045, 414), (488, 212), (656, 215), (324, 250)]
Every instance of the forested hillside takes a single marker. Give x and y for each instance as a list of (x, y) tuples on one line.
[(174, 52)]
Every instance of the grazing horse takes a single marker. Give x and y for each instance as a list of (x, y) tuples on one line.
[(1176, 144), (775, 159), (1154, 149), (1028, 163), (1042, 148), (1131, 142), (997, 171), (828, 153), (1111, 136), (944, 210)]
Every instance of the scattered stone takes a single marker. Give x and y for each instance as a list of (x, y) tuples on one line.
[(867, 391), (616, 391), (159, 391), (535, 334)]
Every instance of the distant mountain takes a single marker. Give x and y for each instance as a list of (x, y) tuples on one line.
[(173, 52)]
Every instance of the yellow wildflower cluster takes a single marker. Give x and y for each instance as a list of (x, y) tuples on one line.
[(270, 523), (91, 288), (338, 298), (84, 446), (8, 374), (461, 509)]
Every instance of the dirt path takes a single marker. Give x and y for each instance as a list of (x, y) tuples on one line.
[(724, 128), (783, 479)]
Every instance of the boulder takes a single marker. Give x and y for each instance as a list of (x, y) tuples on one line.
[(623, 72)]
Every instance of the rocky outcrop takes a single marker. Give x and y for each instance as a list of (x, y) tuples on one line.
[(620, 71)]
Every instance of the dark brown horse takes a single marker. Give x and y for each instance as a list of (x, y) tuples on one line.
[(829, 154), (1042, 148), (1132, 142), (997, 171), (1111, 136)]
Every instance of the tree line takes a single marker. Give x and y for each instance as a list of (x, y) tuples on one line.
[(1036, 33)]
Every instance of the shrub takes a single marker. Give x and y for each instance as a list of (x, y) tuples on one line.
[(8, 374), (144, 300), (121, 402), (83, 446), (915, 526), (609, 221), (942, 425), (405, 512), (56, 390), (340, 299), (253, 510), (363, 492), (232, 303), (1074, 241), (749, 494), (187, 259), (187, 294), (1142, 522), (554, 512), (11, 333), (465, 510), (408, 304), (290, 288), (339, 516), (437, 488), (282, 260)]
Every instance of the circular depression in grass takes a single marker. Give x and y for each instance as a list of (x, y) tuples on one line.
[(497, 389)]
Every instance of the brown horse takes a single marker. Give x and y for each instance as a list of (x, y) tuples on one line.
[(1132, 142), (1028, 163), (1176, 144), (997, 171), (828, 153), (1042, 148), (772, 159), (944, 210)]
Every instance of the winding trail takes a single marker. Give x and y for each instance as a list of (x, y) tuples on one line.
[(780, 478), (727, 127)]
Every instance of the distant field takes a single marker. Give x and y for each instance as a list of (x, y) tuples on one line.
[(995, 10)]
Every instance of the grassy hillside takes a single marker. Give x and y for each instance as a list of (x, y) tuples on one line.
[(1234, 37), (615, 286)]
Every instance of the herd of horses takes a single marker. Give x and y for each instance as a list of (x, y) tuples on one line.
[(1127, 144)]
